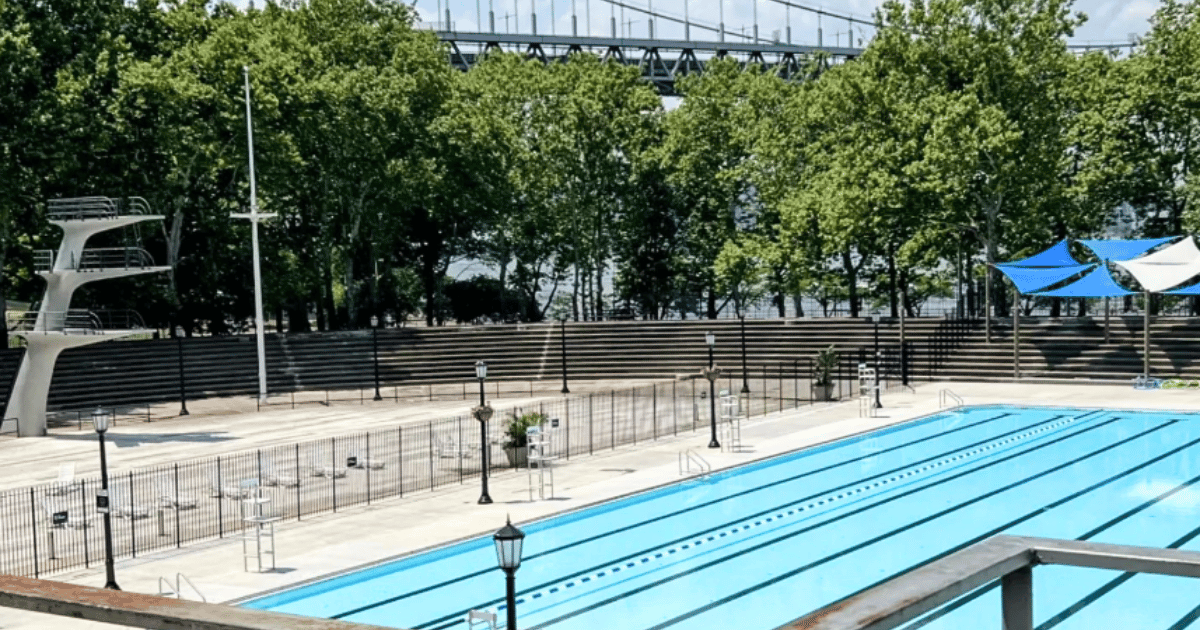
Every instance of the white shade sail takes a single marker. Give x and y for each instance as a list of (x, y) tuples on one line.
[(1166, 268)]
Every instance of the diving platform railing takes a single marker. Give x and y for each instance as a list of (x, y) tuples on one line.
[(79, 208), (96, 259), (1007, 559), (74, 321)]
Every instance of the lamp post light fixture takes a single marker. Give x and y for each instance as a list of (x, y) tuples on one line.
[(712, 374), (183, 411), (563, 328), (875, 317), (745, 372), (483, 413), (100, 421), (508, 554), (375, 352)]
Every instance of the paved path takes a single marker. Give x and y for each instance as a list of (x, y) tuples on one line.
[(362, 535)]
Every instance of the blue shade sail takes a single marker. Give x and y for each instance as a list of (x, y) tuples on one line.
[(1123, 249), (1029, 280), (1193, 289), (1058, 255), (1098, 283)]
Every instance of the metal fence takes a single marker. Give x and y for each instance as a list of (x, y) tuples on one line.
[(53, 527)]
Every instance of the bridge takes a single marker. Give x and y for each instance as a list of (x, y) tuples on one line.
[(668, 49)]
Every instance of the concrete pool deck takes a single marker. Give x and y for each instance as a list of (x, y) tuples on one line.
[(326, 544)]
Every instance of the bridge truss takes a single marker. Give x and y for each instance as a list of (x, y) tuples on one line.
[(661, 61)]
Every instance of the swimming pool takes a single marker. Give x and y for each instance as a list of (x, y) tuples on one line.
[(758, 546)]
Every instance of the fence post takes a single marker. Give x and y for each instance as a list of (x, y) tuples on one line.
[(221, 504), (333, 470), (591, 425), (368, 465), (612, 418), (178, 542), (654, 410), (764, 389), (781, 385), (567, 425), (33, 522), (796, 383), (460, 450), (299, 509), (132, 520), (83, 500), (400, 457), (633, 411), (430, 456), (675, 407)]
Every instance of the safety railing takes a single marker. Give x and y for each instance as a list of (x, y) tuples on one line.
[(689, 458), (75, 321), (97, 259), (1007, 559), (167, 588), (79, 208), (119, 319), (946, 396)]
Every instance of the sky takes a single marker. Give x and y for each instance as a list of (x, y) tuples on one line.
[(1108, 20)]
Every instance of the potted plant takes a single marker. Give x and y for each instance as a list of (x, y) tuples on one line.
[(826, 363), (516, 444)]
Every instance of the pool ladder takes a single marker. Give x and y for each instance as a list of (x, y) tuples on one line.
[(688, 458), (167, 588), (945, 396)]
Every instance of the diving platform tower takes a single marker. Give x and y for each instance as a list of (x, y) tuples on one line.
[(55, 326)]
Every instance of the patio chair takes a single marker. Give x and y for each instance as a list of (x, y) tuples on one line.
[(363, 463), (481, 619), (450, 448), (319, 467), (65, 484), (225, 489), (273, 477), (169, 498), (76, 520), (122, 504)]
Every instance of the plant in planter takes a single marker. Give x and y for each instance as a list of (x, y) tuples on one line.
[(516, 444), (826, 363)]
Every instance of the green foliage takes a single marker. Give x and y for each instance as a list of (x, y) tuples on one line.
[(518, 425), (824, 366)]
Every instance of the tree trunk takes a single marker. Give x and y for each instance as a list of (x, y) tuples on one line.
[(711, 304), (851, 281), (892, 286), (322, 323), (331, 318)]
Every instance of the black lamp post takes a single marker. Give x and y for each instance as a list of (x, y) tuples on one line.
[(712, 374), (508, 553), (875, 317), (100, 420), (182, 384), (745, 372), (483, 413), (564, 355), (375, 352)]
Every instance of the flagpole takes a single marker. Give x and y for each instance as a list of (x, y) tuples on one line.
[(254, 216)]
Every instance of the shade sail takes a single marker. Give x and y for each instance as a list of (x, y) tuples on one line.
[(1123, 249), (1058, 255), (1098, 283), (1032, 279), (1165, 268), (1193, 289)]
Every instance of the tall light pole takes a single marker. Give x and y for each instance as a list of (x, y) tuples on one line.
[(745, 373), (183, 410), (100, 420), (875, 317), (563, 328), (712, 374), (509, 541), (255, 217), (483, 413), (375, 352)]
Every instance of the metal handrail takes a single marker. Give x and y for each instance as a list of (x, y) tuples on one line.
[(96, 259), (687, 457), (1009, 559), (74, 320), (77, 208), (945, 395)]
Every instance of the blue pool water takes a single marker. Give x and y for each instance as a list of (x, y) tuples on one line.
[(758, 546)]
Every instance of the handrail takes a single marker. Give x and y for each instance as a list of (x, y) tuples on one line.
[(76, 321), (687, 457), (182, 579), (945, 395), (1009, 559), (78, 208), (96, 259)]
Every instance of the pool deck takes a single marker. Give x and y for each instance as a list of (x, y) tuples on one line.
[(357, 536)]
